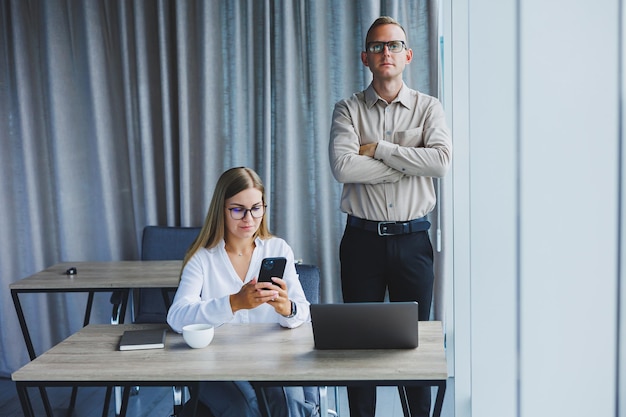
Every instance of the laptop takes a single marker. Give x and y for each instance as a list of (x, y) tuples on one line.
[(365, 325)]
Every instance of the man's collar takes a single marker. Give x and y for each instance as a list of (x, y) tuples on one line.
[(372, 97)]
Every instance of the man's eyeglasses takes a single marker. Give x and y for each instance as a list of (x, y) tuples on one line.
[(238, 213), (393, 46)]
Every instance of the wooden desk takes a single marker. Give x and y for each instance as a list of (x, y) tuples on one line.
[(93, 277), (264, 353)]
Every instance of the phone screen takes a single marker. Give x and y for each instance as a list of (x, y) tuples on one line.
[(271, 267)]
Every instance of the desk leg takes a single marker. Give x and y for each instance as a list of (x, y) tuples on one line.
[(29, 348), (22, 393), (441, 391), (46, 402), (22, 320), (125, 395), (404, 401), (70, 409), (107, 400), (119, 298), (88, 309), (125, 296)]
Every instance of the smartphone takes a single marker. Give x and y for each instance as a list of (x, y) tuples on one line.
[(271, 267)]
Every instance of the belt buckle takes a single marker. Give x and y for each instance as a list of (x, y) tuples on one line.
[(380, 230)]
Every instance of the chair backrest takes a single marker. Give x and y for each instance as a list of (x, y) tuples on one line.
[(310, 281), (160, 243)]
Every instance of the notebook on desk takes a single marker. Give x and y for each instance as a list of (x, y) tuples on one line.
[(365, 325)]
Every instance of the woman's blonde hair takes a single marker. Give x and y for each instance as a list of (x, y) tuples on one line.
[(230, 183)]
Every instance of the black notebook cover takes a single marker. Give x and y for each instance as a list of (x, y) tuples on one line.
[(143, 339)]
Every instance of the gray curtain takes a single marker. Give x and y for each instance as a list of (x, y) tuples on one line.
[(118, 114)]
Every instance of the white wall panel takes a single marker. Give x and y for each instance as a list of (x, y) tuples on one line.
[(621, 393), (535, 98), (568, 207), (493, 205), (456, 102)]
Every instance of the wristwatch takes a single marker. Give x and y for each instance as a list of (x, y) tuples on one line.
[(294, 310)]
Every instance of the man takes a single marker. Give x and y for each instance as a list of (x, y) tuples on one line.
[(386, 144)]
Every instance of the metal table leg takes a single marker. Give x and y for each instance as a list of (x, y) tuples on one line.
[(31, 351), (441, 391), (120, 301), (27, 407), (404, 401)]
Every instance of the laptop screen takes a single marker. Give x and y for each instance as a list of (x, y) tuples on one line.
[(391, 325)]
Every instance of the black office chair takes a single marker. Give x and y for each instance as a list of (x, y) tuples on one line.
[(160, 243), (150, 305)]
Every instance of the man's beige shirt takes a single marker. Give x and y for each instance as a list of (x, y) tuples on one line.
[(414, 145)]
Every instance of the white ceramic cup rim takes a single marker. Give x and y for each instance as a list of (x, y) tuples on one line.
[(197, 327)]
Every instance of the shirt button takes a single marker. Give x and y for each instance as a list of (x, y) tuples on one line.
[(391, 205)]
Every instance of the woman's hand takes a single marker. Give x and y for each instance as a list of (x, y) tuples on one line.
[(280, 301), (251, 296)]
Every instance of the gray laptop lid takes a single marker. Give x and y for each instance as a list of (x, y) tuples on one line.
[(365, 325)]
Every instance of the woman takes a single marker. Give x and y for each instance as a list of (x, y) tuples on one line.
[(219, 285)]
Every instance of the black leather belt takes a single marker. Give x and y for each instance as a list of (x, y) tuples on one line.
[(390, 228)]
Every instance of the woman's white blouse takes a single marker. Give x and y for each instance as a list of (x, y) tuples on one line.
[(208, 280)]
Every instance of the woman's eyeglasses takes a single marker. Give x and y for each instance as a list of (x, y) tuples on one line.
[(238, 213), (393, 46)]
